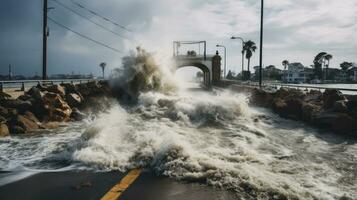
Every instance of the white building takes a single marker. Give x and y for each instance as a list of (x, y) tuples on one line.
[(353, 74), (297, 73)]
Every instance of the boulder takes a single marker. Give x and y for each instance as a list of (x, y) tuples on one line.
[(24, 123), (57, 89), (29, 115), (282, 93), (77, 115), (83, 89), (49, 125), (344, 124), (310, 111), (290, 107), (73, 99), (4, 130), (4, 112), (69, 88), (35, 93), (57, 109), (279, 106), (17, 130), (313, 96), (2, 119), (61, 115), (324, 119), (330, 96), (24, 97), (21, 106), (340, 106), (261, 98)]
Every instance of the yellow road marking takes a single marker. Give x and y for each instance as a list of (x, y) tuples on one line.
[(119, 188)]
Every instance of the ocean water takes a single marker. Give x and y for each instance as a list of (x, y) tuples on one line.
[(214, 138)]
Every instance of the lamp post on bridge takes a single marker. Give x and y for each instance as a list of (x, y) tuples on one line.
[(225, 59), (240, 38)]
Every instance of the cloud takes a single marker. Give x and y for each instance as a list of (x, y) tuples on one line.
[(294, 29)]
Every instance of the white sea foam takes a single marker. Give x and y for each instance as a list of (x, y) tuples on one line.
[(216, 139)]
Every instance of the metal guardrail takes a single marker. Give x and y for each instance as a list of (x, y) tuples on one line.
[(254, 84), (21, 83)]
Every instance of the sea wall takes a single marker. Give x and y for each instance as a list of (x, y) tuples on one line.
[(44, 107), (329, 110)]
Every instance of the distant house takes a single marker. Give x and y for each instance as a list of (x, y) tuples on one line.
[(297, 73), (352, 74)]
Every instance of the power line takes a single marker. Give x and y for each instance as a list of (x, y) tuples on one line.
[(100, 16), (83, 36), (79, 14)]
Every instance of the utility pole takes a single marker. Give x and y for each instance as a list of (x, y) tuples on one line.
[(44, 42), (261, 43)]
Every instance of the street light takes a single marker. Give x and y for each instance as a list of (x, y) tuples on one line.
[(225, 59), (261, 43), (233, 38)]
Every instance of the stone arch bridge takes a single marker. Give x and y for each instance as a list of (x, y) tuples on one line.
[(209, 64)]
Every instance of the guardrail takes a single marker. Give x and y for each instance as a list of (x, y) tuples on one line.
[(22, 83), (307, 87)]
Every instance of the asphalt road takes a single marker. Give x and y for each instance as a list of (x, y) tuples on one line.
[(89, 185)]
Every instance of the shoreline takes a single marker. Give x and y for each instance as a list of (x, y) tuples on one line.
[(330, 110)]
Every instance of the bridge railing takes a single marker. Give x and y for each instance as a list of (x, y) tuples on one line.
[(22, 84), (296, 86)]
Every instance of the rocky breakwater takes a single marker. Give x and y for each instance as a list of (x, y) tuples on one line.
[(46, 107), (330, 110)]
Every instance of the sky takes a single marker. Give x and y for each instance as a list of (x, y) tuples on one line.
[(295, 30)]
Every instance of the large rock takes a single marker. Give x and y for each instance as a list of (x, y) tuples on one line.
[(261, 98), (313, 96), (57, 89), (35, 93), (337, 122), (73, 100), (4, 130), (324, 119), (4, 112), (290, 108), (21, 106), (69, 88), (310, 111), (77, 115), (26, 124), (344, 124), (279, 106), (2, 119), (330, 96), (340, 106), (58, 109)]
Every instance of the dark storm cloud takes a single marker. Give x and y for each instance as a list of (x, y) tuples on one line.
[(294, 29), (21, 35)]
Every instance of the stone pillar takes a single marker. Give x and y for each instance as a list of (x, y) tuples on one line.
[(216, 68)]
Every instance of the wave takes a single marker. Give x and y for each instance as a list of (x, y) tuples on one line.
[(216, 139)]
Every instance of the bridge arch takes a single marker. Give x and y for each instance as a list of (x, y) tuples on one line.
[(205, 69)]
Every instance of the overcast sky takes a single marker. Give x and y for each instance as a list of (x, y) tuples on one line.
[(294, 29)]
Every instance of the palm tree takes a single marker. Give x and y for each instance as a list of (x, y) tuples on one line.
[(328, 57), (285, 64), (103, 65), (318, 64), (249, 48)]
